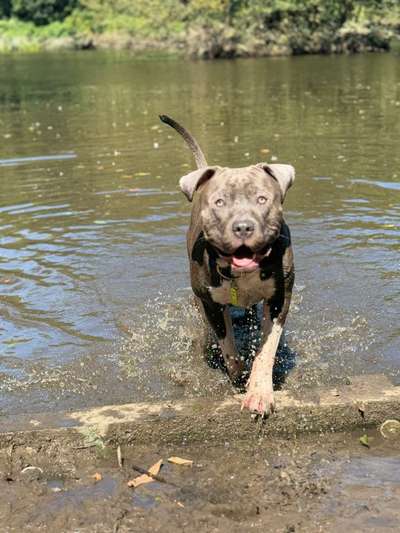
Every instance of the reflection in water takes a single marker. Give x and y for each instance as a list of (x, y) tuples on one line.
[(34, 159), (93, 269)]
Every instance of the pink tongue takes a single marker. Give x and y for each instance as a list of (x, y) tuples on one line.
[(244, 262)]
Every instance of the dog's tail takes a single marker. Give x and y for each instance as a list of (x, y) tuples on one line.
[(189, 139)]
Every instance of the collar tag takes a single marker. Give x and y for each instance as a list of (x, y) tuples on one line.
[(234, 295)]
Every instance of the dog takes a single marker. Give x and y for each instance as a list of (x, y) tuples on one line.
[(240, 254)]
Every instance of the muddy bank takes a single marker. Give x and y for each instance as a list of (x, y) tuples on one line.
[(365, 401), (316, 483), (294, 472)]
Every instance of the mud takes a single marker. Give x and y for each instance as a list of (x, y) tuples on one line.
[(316, 483)]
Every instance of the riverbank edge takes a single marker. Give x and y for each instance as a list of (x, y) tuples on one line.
[(367, 402), (204, 42)]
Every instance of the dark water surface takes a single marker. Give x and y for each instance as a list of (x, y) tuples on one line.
[(94, 288)]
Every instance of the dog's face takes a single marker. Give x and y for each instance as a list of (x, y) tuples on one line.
[(241, 209)]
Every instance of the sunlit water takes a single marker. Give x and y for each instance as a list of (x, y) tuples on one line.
[(94, 288)]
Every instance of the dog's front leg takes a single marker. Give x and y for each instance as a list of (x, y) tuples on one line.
[(260, 394), (219, 319)]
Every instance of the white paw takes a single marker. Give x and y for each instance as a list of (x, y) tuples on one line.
[(259, 402)]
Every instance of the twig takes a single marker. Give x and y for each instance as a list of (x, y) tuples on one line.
[(154, 476), (119, 456)]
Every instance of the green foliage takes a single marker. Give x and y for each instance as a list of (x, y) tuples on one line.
[(5, 8), (204, 28), (225, 28), (18, 35), (147, 18), (42, 12)]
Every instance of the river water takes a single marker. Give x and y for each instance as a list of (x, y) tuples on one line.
[(94, 288)]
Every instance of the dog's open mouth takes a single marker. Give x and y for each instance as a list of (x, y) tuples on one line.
[(244, 259)]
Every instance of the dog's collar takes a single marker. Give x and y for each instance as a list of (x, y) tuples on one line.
[(234, 289)]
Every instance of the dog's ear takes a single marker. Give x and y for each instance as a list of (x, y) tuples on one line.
[(283, 174), (192, 181)]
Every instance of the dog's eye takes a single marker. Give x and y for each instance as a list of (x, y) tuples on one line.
[(261, 200), (219, 202)]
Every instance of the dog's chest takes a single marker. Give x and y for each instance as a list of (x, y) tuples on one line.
[(243, 291)]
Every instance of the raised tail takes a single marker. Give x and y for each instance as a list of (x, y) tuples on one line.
[(189, 139)]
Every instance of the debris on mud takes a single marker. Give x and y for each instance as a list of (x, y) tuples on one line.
[(365, 440), (307, 484), (390, 429), (150, 475), (180, 461)]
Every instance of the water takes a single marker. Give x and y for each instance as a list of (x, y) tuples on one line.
[(94, 289)]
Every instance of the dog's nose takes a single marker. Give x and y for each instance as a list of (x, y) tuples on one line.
[(243, 228)]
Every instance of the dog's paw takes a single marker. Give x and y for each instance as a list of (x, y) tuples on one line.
[(236, 373), (259, 402)]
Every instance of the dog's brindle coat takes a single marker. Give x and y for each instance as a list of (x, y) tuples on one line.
[(240, 253)]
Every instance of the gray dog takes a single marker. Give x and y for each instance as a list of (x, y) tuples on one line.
[(240, 254)]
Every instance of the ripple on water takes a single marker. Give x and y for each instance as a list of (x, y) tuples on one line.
[(85, 241)]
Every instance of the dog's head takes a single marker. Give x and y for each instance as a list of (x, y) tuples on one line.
[(241, 209)]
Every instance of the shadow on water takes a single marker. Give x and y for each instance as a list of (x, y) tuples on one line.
[(247, 331)]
